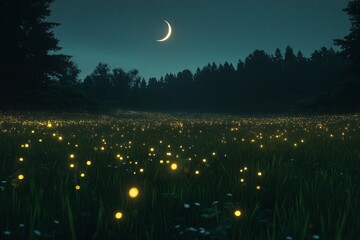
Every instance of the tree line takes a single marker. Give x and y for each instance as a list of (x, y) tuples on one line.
[(33, 76)]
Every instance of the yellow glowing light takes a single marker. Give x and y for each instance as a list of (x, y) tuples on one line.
[(40, 140), (60, 138), (49, 125), (197, 172), (167, 161), (82, 175), (102, 148), (161, 161), (26, 145), (88, 162), (152, 149), (241, 170), (72, 156), (21, 177), (21, 159), (118, 215), (168, 154), (77, 187), (237, 213), (258, 187), (245, 168), (204, 160), (141, 170), (259, 173), (174, 166), (72, 165), (214, 153), (133, 192), (242, 180), (32, 131)]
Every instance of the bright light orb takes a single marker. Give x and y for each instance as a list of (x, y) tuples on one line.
[(237, 213), (21, 177), (88, 163), (118, 215), (174, 166), (133, 192)]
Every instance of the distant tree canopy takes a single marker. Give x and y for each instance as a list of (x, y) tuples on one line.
[(111, 87), (27, 46)]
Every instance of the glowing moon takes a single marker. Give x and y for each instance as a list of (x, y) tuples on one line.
[(168, 34)]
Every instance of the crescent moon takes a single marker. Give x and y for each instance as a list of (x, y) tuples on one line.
[(168, 34)]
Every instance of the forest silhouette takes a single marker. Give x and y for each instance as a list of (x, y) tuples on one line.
[(34, 77)]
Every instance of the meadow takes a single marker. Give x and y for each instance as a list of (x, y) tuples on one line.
[(136, 175)]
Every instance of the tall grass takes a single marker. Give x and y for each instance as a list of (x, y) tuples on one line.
[(308, 188)]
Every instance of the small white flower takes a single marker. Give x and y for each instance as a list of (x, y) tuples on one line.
[(37, 232), (186, 205), (316, 237), (191, 229), (229, 195), (7, 232), (197, 204)]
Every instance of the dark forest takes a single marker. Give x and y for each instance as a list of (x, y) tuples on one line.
[(34, 77)]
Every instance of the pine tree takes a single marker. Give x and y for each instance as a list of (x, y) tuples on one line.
[(27, 46), (350, 44)]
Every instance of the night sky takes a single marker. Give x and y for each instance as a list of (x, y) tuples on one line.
[(123, 33)]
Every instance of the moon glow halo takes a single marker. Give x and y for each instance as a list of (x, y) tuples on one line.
[(168, 34)]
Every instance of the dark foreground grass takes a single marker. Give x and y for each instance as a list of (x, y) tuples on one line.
[(66, 177)]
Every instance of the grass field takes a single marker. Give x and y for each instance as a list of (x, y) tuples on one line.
[(189, 177)]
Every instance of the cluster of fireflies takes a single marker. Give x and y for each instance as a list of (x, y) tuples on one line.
[(169, 147)]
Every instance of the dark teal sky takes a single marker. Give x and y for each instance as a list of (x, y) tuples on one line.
[(123, 33)]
